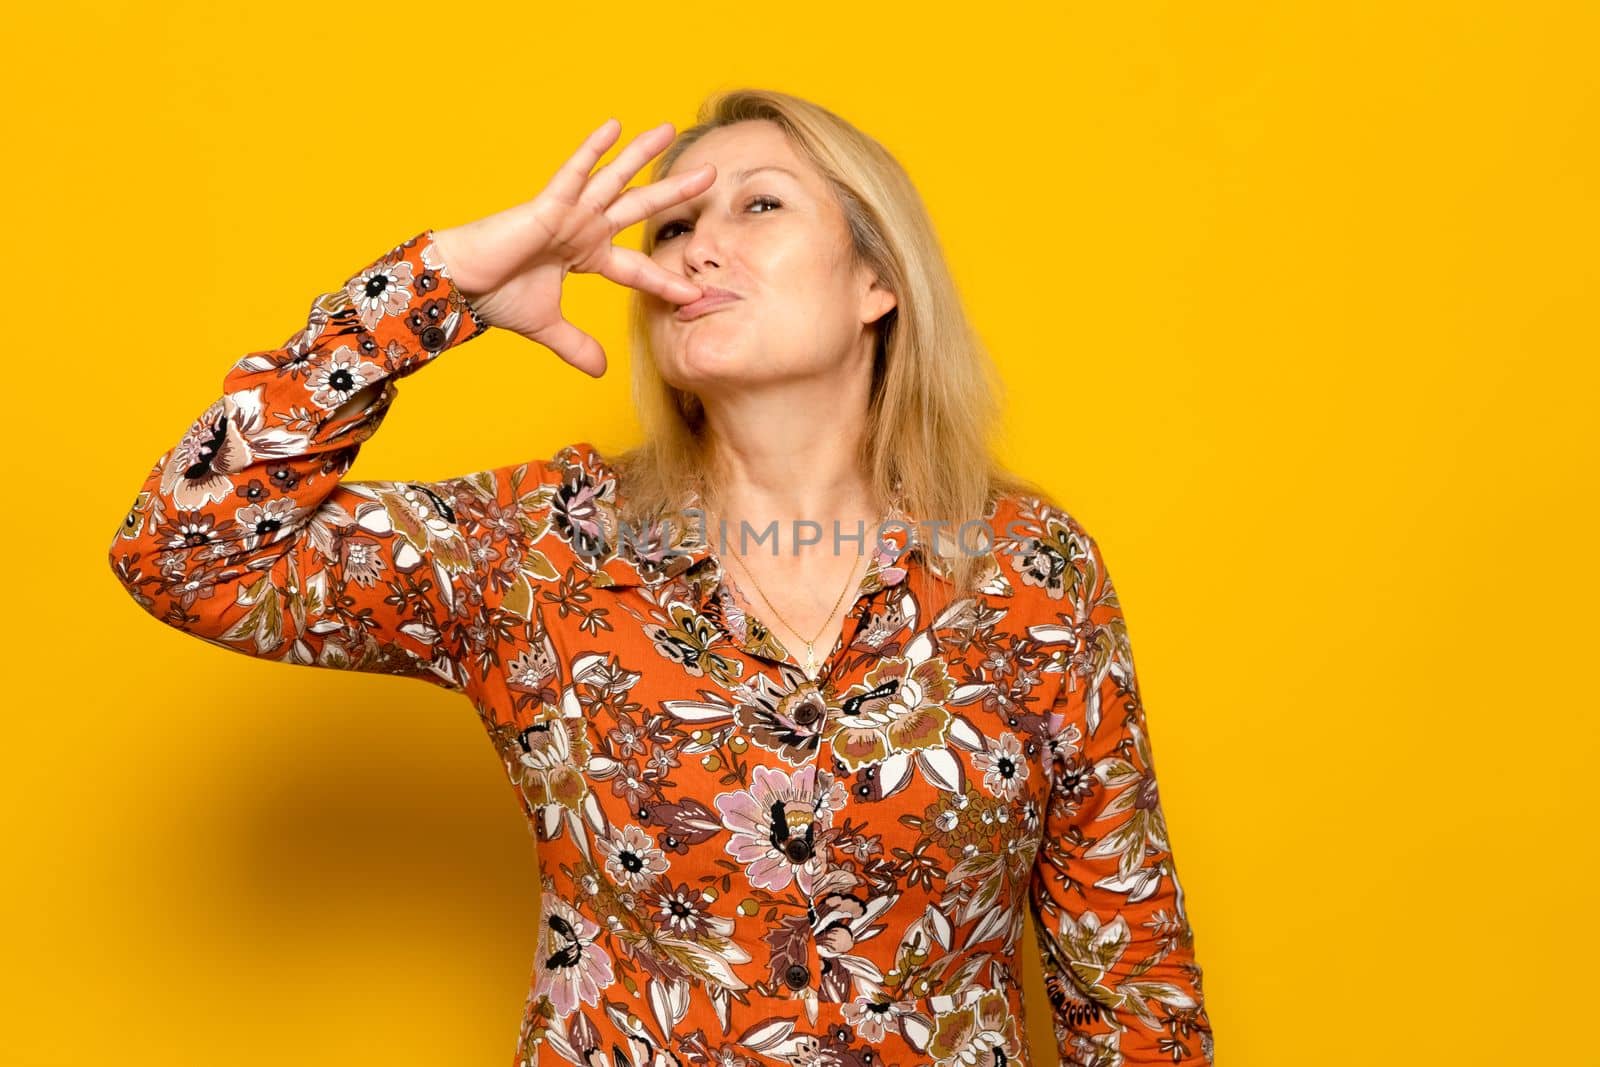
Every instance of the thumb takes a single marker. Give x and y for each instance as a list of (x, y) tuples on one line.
[(574, 346)]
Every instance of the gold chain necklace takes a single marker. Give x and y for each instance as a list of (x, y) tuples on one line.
[(811, 654)]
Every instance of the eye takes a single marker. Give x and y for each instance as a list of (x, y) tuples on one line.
[(668, 230)]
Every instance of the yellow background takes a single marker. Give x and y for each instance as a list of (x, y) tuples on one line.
[(1297, 308)]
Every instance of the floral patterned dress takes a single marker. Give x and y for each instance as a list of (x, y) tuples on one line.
[(740, 865)]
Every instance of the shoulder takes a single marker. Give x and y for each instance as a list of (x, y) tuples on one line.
[(536, 483), (531, 524), (1041, 545), (549, 501)]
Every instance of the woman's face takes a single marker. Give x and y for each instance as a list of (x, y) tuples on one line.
[(769, 231)]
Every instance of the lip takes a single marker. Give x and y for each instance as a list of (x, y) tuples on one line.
[(712, 299)]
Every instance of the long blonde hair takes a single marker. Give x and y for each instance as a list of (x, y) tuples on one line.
[(936, 396)]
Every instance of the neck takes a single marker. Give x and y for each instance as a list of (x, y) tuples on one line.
[(789, 456)]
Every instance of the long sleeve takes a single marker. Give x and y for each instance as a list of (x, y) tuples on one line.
[(243, 533), (1115, 940)]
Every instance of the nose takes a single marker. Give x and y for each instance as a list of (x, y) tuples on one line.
[(702, 249)]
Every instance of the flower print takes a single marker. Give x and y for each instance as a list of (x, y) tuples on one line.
[(189, 587), (382, 289), (263, 522), (578, 517), (484, 553), (500, 522), (682, 912), (626, 737), (1145, 828), (881, 625), (255, 490), (192, 531), (874, 1017), (981, 1033), (835, 935), (363, 560), (343, 376), (689, 642), (898, 707), (1019, 854), (956, 822), (749, 631), (1030, 816), (327, 528), (632, 858), (806, 1050), (283, 476), (196, 473), (533, 669), (423, 523), (862, 847), (843, 921), (293, 360), (661, 761), (1093, 949), (775, 821), (1003, 768), (1074, 782), (889, 543), (719, 887), (549, 759), (785, 721), (604, 675), (657, 551), (572, 967), (628, 781), (1047, 559)]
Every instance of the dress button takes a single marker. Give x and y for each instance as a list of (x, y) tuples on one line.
[(432, 338), (797, 849), (798, 976), (807, 713)]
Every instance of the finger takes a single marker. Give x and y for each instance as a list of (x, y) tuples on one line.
[(570, 179), (637, 204), (630, 267), (574, 346), (610, 179)]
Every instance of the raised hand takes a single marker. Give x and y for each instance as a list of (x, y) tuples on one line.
[(510, 265)]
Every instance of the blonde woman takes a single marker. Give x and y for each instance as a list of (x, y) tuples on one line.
[(814, 707)]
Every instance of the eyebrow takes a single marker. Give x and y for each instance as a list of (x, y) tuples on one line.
[(741, 175)]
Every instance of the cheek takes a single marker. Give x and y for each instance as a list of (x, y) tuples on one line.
[(794, 268), (805, 292)]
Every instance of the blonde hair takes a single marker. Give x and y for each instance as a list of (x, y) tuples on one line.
[(936, 395)]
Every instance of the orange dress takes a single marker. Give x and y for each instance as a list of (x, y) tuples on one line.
[(739, 865)]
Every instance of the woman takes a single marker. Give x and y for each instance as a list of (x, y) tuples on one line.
[(793, 805)]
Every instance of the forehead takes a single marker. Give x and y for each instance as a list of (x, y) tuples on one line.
[(743, 146)]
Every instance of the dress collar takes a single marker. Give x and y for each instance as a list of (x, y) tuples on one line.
[(684, 548)]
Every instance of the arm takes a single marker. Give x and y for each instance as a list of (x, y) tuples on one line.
[(243, 533), (1117, 948)]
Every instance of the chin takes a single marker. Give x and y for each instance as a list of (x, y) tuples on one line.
[(700, 360)]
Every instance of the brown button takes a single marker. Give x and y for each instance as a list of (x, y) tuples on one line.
[(798, 976), (797, 849), (433, 338), (807, 713)]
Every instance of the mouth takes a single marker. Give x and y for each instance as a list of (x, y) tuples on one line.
[(712, 300)]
